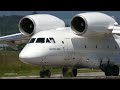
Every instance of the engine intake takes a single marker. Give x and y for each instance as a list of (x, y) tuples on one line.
[(27, 26), (79, 24), (32, 24), (92, 23)]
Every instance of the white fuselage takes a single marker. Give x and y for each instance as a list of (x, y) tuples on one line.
[(70, 49)]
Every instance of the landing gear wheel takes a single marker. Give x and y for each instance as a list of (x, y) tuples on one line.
[(44, 73), (108, 71), (48, 73), (112, 70), (74, 72), (64, 71), (115, 70)]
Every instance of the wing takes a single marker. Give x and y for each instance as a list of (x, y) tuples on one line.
[(14, 39), (116, 30)]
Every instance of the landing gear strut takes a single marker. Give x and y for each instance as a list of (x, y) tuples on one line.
[(65, 72), (45, 73)]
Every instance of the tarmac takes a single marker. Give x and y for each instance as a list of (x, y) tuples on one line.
[(89, 75)]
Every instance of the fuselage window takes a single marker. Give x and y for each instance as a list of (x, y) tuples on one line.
[(47, 40), (40, 40), (32, 40), (52, 40)]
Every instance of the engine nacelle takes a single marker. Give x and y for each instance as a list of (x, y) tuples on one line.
[(92, 23), (32, 24)]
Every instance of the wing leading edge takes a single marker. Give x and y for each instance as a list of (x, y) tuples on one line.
[(14, 39)]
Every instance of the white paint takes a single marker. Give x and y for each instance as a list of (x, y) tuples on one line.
[(42, 22), (71, 49)]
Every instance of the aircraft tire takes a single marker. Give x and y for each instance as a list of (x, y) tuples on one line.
[(48, 73), (64, 71), (115, 70), (74, 72), (108, 71), (42, 74)]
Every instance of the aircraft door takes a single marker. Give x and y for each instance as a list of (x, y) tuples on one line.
[(68, 50)]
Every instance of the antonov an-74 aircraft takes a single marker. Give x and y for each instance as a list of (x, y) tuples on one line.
[(91, 41)]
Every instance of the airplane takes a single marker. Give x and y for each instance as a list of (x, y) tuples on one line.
[(91, 41)]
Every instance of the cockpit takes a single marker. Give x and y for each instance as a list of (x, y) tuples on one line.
[(42, 40)]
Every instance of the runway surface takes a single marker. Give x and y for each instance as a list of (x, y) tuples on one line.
[(89, 75)]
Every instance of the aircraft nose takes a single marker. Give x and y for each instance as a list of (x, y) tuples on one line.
[(31, 54), (24, 57), (28, 56)]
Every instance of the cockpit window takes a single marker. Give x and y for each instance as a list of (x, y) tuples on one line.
[(47, 40), (40, 40), (32, 40), (52, 40)]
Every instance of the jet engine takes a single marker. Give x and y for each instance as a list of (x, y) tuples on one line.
[(32, 24), (92, 23)]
